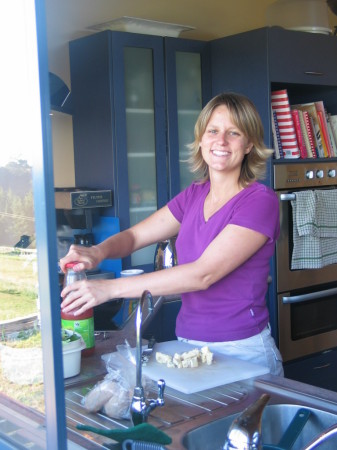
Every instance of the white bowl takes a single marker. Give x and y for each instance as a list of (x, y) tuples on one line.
[(72, 357)]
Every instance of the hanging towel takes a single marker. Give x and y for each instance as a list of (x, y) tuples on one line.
[(326, 212), (314, 229)]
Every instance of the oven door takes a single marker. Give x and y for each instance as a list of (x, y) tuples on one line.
[(288, 279), (307, 322)]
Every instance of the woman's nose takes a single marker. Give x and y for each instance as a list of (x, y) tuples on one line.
[(222, 137)]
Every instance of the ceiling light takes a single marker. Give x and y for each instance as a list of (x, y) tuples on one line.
[(142, 26)]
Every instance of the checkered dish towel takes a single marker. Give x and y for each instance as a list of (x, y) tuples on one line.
[(314, 229)]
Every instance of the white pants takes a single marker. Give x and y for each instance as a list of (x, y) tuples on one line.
[(259, 349)]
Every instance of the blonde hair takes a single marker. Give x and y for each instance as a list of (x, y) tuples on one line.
[(245, 117)]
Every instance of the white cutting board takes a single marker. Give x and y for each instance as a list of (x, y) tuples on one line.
[(224, 370)]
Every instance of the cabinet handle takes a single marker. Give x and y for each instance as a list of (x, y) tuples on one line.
[(323, 367), (316, 74)]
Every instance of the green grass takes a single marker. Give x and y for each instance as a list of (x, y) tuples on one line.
[(18, 286), (18, 298), (31, 395)]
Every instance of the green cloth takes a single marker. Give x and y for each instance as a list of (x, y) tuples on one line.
[(142, 432)]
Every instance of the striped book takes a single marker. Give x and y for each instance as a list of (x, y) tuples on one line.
[(299, 134), (311, 109), (280, 104), (321, 113), (312, 137), (278, 151), (305, 134)]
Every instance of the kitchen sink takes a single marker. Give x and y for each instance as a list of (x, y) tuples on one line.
[(275, 421)]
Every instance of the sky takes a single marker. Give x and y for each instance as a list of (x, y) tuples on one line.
[(18, 80)]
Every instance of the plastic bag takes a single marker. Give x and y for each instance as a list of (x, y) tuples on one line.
[(114, 393)]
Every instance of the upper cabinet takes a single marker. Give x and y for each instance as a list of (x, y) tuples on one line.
[(295, 57), (135, 100)]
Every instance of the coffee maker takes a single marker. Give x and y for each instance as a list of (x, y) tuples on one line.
[(78, 212), (80, 221)]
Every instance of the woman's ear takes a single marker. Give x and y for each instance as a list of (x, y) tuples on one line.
[(248, 148)]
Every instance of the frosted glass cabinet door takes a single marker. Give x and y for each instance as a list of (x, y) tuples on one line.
[(140, 140), (188, 87), (189, 103)]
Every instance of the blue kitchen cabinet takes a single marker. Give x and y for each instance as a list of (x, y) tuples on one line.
[(135, 101)]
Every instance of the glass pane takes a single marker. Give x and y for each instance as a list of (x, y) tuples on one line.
[(189, 100), (21, 370), (141, 151)]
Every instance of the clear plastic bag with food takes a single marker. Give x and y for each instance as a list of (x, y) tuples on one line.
[(114, 393)]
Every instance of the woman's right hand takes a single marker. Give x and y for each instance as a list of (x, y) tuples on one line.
[(87, 257)]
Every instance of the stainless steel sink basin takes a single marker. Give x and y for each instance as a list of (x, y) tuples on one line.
[(276, 419)]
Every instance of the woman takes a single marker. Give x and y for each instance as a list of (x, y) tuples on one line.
[(227, 225)]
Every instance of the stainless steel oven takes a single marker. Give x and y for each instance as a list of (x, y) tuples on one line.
[(306, 298)]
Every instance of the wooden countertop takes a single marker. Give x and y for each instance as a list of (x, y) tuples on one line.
[(181, 412)]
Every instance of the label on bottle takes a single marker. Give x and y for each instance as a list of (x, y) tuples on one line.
[(85, 327)]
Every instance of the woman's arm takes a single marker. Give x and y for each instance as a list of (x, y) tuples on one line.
[(230, 249), (159, 226)]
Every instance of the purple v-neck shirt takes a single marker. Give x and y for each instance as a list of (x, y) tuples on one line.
[(234, 307)]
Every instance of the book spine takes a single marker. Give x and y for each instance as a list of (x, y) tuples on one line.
[(305, 134), (276, 137), (333, 123), (332, 139), (299, 135), (324, 135), (317, 138), (309, 129), (280, 104)]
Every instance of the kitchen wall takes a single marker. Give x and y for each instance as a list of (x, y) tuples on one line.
[(63, 149)]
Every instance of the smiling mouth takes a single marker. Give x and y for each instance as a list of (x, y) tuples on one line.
[(219, 153)]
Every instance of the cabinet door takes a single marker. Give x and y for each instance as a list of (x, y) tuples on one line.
[(188, 89), (140, 131), (298, 57)]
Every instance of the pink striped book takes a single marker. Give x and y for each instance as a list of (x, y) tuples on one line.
[(280, 104)]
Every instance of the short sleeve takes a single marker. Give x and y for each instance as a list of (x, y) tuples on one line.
[(258, 211)]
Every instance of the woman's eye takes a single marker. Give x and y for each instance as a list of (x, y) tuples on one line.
[(212, 131), (234, 133)]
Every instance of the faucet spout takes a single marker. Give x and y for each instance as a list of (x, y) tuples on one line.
[(245, 431), (139, 407), (139, 313)]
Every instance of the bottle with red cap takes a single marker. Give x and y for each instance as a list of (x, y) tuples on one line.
[(82, 323)]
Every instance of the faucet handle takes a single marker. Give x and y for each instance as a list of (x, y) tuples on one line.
[(159, 401), (161, 388)]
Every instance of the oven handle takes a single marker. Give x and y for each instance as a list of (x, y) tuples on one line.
[(287, 197), (311, 296)]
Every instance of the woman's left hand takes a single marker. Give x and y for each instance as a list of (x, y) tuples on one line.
[(83, 295)]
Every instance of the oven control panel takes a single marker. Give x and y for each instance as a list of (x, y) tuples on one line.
[(304, 175)]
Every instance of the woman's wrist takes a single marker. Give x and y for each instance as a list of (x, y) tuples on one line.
[(99, 253)]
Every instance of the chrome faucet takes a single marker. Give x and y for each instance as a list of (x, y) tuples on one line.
[(245, 431), (140, 409)]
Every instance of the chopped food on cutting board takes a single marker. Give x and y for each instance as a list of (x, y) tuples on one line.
[(186, 360)]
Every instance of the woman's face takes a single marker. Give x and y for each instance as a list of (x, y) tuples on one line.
[(223, 145)]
